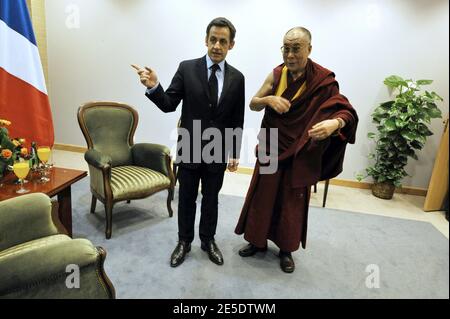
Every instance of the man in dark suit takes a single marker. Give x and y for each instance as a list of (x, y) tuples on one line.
[(213, 105)]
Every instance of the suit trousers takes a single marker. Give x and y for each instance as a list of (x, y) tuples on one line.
[(211, 183)]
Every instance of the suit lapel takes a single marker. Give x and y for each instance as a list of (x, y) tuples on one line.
[(203, 74), (226, 83)]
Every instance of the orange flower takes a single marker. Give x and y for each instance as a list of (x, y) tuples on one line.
[(4, 122), (6, 153), (23, 151)]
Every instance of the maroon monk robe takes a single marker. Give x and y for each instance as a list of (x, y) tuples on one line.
[(276, 205)]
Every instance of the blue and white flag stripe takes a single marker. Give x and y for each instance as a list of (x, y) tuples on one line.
[(18, 22), (21, 58), (23, 95)]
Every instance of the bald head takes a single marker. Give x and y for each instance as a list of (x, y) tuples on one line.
[(299, 33), (296, 50)]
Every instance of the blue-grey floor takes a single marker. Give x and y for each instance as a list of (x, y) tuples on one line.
[(348, 255)]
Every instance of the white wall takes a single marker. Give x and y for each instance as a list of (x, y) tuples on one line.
[(362, 41)]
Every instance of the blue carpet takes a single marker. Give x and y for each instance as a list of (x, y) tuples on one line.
[(344, 252)]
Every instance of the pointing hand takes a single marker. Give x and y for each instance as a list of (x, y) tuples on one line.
[(147, 76)]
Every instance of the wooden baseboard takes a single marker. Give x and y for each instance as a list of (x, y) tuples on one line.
[(245, 170), (70, 148), (249, 171), (409, 190)]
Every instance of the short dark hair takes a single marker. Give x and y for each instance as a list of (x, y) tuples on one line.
[(222, 22)]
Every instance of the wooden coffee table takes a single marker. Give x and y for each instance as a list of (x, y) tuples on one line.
[(59, 185)]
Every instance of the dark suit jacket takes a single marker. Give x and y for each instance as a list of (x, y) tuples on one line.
[(190, 84)]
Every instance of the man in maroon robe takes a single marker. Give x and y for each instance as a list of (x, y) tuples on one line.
[(314, 122)]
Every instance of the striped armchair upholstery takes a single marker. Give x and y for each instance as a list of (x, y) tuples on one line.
[(134, 181), (119, 169)]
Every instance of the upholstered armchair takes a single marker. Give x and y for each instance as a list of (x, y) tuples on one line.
[(119, 169), (37, 260)]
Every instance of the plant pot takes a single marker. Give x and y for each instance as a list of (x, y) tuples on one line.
[(383, 190)]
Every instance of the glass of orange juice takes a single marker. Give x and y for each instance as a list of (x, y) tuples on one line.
[(21, 169), (43, 152)]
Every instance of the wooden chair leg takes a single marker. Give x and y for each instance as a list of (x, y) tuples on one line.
[(128, 201), (175, 168), (327, 182), (108, 210), (169, 202), (93, 204)]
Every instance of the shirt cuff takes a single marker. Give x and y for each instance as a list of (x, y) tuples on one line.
[(149, 91)]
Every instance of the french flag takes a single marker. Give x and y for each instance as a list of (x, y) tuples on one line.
[(23, 94)]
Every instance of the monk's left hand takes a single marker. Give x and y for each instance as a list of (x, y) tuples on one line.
[(323, 129), (233, 164)]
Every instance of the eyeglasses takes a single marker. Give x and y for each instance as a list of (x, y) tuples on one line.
[(294, 50)]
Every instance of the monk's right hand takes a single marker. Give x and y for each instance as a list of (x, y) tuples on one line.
[(279, 104), (147, 76)]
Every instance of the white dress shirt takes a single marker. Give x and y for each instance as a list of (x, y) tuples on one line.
[(220, 75)]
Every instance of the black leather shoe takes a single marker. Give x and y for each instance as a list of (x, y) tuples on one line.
[(179, 253), (250, 250), (213, 252), (286, 262)]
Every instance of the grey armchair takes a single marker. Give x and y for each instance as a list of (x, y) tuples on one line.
[(35, 254), (119, 169)]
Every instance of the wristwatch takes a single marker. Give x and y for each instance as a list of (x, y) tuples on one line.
[(341, 125)]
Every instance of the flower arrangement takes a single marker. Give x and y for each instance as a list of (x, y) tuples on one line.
[(10, 149)]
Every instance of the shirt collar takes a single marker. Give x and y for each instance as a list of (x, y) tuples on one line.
[(209, 63)]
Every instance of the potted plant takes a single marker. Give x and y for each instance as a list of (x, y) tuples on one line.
[(403, 127)]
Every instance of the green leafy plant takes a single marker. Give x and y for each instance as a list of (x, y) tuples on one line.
[(402, 126), (10, 149)]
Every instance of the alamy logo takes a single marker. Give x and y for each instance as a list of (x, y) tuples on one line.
[(73, 16), (373, 279), (73, 279), (207, 146)]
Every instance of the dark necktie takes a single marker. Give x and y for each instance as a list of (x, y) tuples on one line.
[(213, 85)]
